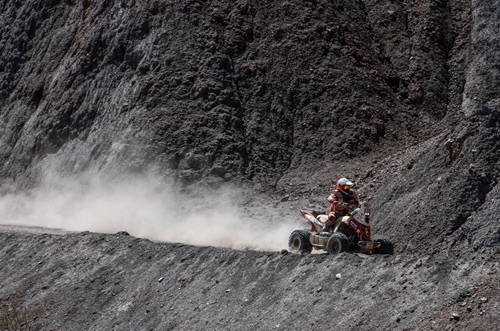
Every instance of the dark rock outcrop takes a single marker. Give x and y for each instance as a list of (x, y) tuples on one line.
[(204, 89)]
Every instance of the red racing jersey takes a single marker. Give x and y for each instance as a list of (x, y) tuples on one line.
[(340, 201)]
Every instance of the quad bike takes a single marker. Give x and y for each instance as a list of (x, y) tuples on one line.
[(351, 233)]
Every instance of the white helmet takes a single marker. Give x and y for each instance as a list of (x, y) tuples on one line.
[(344, 185)]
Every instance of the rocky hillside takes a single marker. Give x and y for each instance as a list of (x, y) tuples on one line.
[(215, 91), (278, 98)]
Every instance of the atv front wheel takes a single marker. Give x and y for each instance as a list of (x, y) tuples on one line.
[(386, 246), (299, 242), (337, 243)]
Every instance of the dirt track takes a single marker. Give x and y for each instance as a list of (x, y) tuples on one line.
[(92, 281)]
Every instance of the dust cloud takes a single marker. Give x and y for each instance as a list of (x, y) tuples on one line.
[(145, 207)]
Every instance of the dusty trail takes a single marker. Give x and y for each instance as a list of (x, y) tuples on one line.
[(114, 281), (15, 228)]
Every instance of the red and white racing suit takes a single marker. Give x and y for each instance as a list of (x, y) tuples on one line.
[(340, 201)]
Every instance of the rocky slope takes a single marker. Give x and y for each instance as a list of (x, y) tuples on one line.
[(280, 98), (87, 281), (249, 90)]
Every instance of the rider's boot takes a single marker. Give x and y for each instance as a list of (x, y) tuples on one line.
[(326, 228)]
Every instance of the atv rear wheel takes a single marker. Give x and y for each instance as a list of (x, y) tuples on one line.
[(337, 243), (386, 246), (299, 242)]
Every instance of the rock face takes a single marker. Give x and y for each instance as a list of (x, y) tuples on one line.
[(283, 97), (209, 91)]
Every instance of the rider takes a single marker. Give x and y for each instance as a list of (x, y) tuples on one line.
[(341, 198)]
